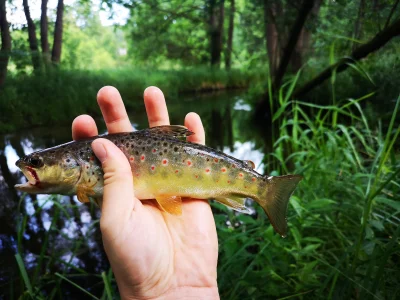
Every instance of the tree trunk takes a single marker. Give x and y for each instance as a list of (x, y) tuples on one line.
[(292, 41), (302, 48), (359, 23), (44, 33), (33, 44), (216, 30), (377, 42), (271, 37), (228, 53), (58, 31), (5, 42)]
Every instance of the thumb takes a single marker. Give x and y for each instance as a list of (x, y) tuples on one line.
[(118, 196)]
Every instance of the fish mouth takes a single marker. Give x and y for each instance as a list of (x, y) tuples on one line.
[(33, 183)]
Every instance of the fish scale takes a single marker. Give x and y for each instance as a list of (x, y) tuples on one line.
[(164, 167)]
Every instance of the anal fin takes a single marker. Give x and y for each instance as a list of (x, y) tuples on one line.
[(170, 204), (234, 202)]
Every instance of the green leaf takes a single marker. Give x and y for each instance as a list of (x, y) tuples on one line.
[(320, 203)]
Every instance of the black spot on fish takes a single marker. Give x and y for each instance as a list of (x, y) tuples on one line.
[(176, 149), (137, 152), (165, 150), (165, 144), (160, 153)]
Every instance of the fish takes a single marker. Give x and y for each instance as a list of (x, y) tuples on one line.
[(165, 167)]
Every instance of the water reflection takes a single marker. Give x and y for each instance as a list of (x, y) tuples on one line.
[(69, 227)]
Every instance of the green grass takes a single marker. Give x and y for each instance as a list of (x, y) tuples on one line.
[(57, 97)]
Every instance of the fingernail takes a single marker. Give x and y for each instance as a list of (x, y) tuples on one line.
[(99, 150), (151, 90)]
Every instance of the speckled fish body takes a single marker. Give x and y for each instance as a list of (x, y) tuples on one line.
[(164, 167)]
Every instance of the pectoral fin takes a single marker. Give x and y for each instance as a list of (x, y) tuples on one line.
[(83, 192), (170, 204), (236, 203)]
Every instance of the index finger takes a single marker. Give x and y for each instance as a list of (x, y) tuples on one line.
[(113, 110)]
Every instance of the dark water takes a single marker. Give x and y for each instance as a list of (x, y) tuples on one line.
[(69, 229)]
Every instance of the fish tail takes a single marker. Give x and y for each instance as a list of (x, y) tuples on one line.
[(275, 200)]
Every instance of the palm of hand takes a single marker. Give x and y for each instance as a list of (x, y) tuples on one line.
[(166, 252)]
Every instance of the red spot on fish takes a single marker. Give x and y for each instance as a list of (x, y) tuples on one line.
[(87, 167), (254, 179), (131, 158), (137, 174), (229, 181), (153, 167), (154, 150), (176, 171), (241, 175), (189, 163), (216, 160), (223, 170), (165, 161), (197, 176), (207, 170), (92, 158), (142, 158)]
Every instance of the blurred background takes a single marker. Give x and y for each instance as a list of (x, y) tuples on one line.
[(305, 87)]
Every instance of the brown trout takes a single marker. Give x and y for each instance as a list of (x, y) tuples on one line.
[(165, 167)]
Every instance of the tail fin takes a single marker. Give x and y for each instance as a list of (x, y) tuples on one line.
[(279, 190)]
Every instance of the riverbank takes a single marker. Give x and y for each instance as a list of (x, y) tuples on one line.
[(45, 99)]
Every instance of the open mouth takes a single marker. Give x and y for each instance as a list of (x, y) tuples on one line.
[(33, 181), (32, 176)]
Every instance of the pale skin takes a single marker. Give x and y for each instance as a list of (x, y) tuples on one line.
[(154, 255)]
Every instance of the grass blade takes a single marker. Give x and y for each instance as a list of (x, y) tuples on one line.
[(24, 274), (77, 286)]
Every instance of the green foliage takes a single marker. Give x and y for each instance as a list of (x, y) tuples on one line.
[(343, 217), (57, 96)]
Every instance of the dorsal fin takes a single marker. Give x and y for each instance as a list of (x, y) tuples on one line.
[(176, 131), (250, 164)]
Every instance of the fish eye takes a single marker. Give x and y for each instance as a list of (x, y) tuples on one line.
[(36, 162)]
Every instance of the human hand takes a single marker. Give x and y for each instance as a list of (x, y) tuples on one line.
[(153, 254)]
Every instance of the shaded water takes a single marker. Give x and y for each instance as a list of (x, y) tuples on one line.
[(69, 229)]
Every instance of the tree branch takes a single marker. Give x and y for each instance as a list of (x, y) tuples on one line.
[(377, 42)]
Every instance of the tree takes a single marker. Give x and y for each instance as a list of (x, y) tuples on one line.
[(58, 31), (216, 25), (5, 42), (44, 33), (229, 44), (298, 25), (271, 11), (33, 44)]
